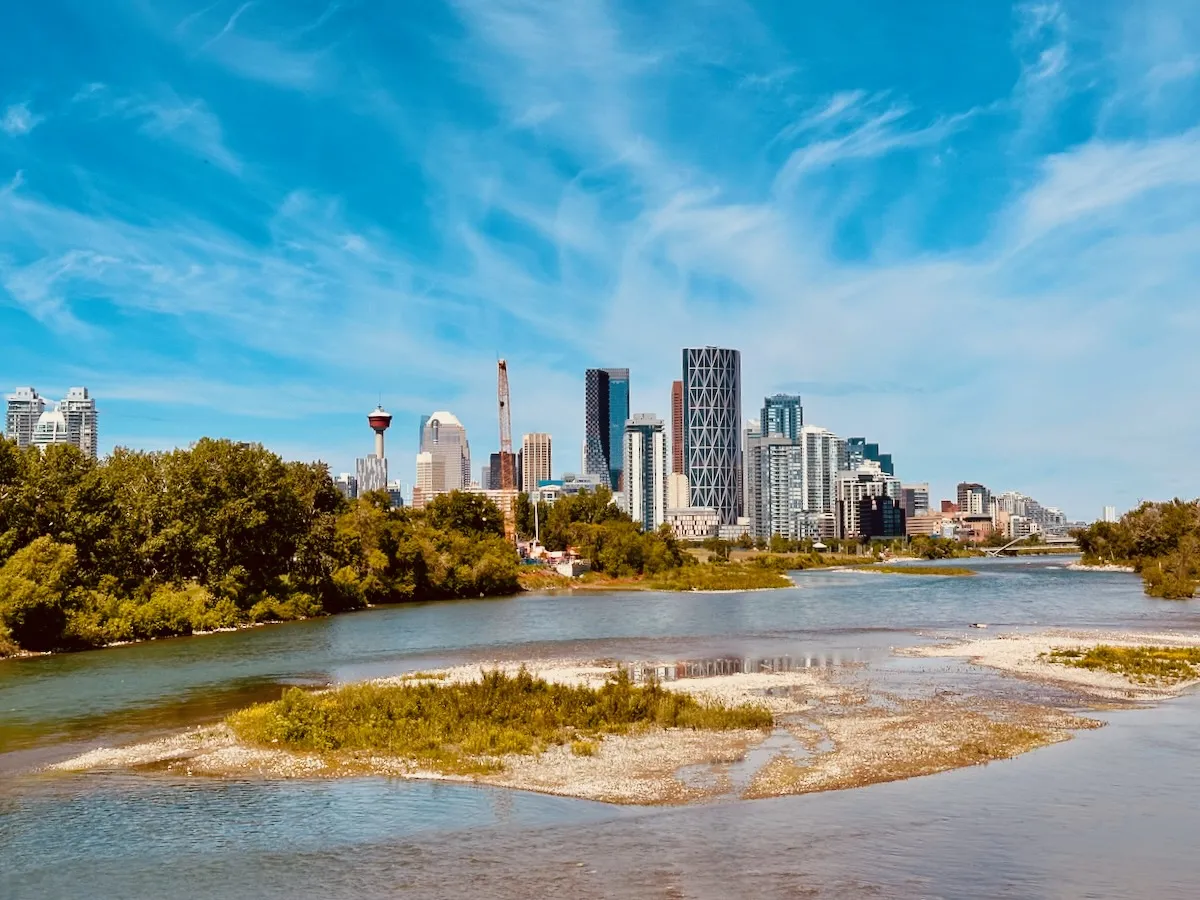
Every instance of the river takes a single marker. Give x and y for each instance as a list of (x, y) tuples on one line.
[(1112, 813)]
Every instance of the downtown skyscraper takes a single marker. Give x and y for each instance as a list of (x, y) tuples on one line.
[(606, 409), (782, 414), (712, 412)]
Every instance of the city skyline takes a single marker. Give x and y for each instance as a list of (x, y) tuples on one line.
[(978, 248)]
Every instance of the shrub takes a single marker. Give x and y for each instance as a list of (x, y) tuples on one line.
[(450, 725)]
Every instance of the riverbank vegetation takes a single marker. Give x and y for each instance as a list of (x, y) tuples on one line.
[(1143, 665), (944, 571), (1161, 541), (144, 545), (760, 574), (464, 727)]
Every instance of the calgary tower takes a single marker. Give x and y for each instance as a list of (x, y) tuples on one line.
[(379, 420)]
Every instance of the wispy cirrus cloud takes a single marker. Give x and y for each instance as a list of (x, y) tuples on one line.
[(164, 115), (583, 187)]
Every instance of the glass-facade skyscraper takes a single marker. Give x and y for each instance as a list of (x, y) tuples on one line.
[(606, 409), (782, 414), (618, 415)]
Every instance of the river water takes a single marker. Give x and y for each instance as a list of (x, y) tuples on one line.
[(1113, 813)]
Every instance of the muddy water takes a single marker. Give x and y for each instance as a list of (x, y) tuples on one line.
[(1113, 813)]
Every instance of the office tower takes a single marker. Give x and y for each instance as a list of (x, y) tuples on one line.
[(429, 472), (679, 495), (535, 460), (1110, 514), (867, 480), (645, 470), (421, 430), (445, 439), (712, 412), (782, 414), (915, 498), (495, 476), (25, 407), (618, 415), (347, 484), (485, 478), (974, 499), (859, 450), (396, 492), (371, 472), (606, 408), (790, 484), (880, 517), (677, 428), (51, 429)]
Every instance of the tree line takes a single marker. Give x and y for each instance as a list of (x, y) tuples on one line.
[(143, 545), (1161, 541)]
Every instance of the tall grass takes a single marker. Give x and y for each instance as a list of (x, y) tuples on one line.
[(1145, 665), (465, 726), (721, 577)]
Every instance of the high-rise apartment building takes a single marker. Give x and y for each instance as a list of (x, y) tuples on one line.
[(712, 412), (645, 467), (975, 499), (79, 411), (677, 428), (445, 439), (25, 407), (535, 460), (782, 414), (790, 483), (606, 409), (73, 420), (867, 480), (915, 499)]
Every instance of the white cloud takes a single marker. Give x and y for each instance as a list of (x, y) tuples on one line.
[(19, 119), (1016, 348), (165, 116)]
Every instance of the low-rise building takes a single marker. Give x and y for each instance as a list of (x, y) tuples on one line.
[(693, 523)]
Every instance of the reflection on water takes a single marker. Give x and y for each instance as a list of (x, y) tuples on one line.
[(712, 667)]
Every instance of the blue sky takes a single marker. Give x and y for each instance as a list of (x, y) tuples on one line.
[(970, 231)]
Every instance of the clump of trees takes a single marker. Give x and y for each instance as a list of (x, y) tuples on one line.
[(1160, 540), (143, 545), (602, 534)]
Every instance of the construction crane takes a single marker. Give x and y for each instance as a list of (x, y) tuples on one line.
[(508, 478)]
